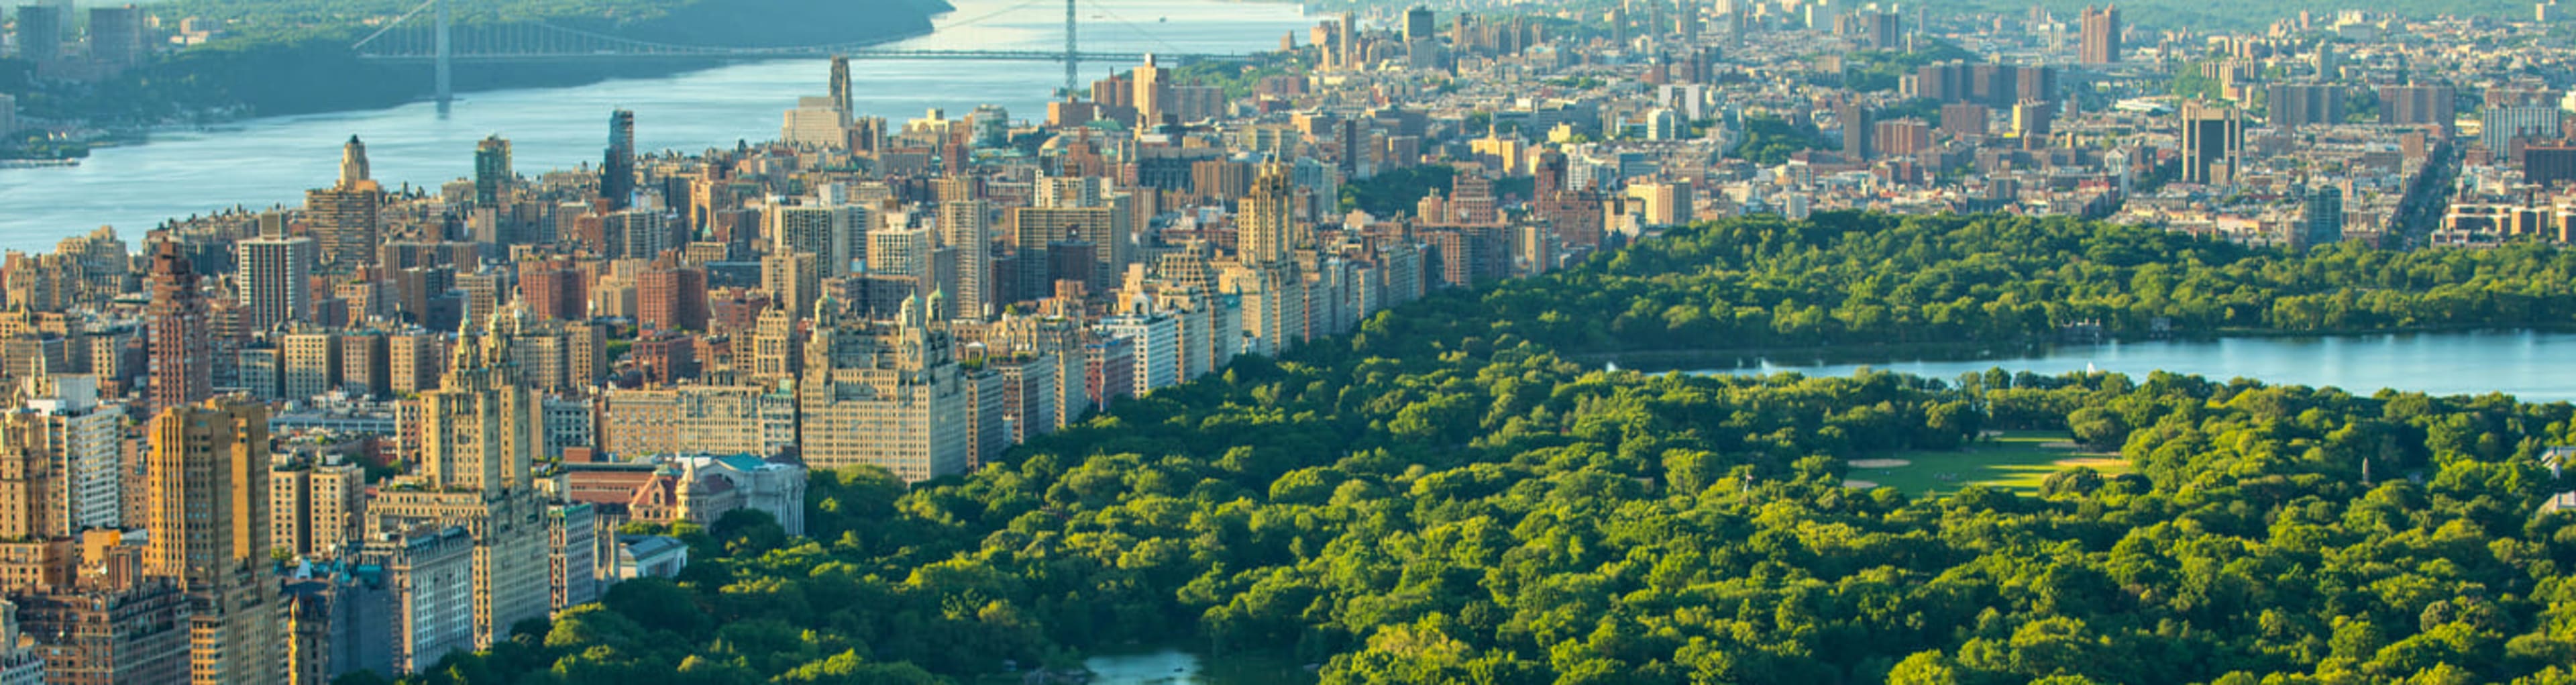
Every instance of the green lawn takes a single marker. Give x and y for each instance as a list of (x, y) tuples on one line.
[(2014, 460)]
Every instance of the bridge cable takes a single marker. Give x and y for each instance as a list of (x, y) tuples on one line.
[(391, 25)]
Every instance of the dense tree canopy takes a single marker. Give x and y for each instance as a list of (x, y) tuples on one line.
[(1443, 498), (1849, 278)]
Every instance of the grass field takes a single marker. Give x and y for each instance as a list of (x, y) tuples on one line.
[(2014, 460)]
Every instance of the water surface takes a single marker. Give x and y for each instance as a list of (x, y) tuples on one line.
[(263, 162)]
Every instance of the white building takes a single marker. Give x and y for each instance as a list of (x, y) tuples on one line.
[(640, 556), (67, 409), (1157, 339), (816, 122)]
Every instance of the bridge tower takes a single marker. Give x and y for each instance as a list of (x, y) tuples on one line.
[(1072, 52), (446, 57)]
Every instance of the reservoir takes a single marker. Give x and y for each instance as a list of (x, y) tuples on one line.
[(2530, 365), (262, 162)]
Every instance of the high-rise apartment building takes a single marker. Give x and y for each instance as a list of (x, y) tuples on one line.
[(315, 510), (480, 432), (884, 393), (210, 531), (617, 164), (492, 174), (1346, 41), (1858, 122), (572, 560), (63, 452), (2321, 221), (2213, 139), (1265, 228), (840, 86), (831, 233), (554, 289), (308, 364), (431, 570), (116, 36), (275, 278), (182, 369), (2418, 104), (1101, 229), (816, 122), (902, 252), (2501, 126), (2304, 104), (2101, 39), (346, 219), (40, 32), (1151, 91), (965, 226), (1157, 342), (672, 297)]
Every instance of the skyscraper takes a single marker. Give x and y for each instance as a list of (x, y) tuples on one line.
[(1858, 123), (965, 226), (182, 371), (480, 433), (276, 280), (1150, 92), (210, 531), (346, 218), (617, 168), (1262, 232), (2323, 220), (2212, 140), (492, 173), (840, 92), (2101, 35), (902, 252), (116, 36), (832, 234), (353, 163), (40, 33), (1348, 41), (1418, 24)]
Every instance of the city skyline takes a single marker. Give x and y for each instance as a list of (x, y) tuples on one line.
[(1316, 356)]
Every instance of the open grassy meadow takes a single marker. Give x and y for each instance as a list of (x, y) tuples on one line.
[(2014, 460)]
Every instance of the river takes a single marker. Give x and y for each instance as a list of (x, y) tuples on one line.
[(2530, 365), (268, 161)]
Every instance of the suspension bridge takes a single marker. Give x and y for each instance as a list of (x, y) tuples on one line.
[(438, 40)]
